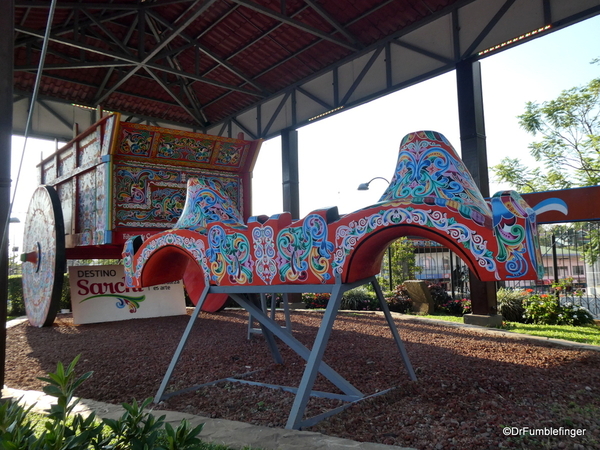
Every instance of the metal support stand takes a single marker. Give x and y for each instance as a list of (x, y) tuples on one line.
[(263, 304), (314, 357)]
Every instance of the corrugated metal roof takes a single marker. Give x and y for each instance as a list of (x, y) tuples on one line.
[(221, 56)]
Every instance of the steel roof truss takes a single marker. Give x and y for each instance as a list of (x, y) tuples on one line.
[(276, 113), (361, 75), (294, 23), (54, 113), (218, 60), (491, 24), (314, 98), (176, 97), (422, 51), (334, 23)]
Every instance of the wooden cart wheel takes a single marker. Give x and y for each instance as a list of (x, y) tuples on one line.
[(44, 262)]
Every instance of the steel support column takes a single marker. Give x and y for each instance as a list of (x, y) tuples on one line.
[(6, 111), (291, 182), (474, 156)]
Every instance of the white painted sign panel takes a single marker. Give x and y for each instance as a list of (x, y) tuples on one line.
[(99, 294)]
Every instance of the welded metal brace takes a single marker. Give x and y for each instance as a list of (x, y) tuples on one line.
[(314, 362)]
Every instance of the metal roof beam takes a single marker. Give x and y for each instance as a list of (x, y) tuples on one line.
[(54, 113), (334, 23), (176, 97), (249, 133), (314, 98), (172, 60), (491, 24), (108, 33), (422, 51), (59, 31), (43, 4), (361, 76), (212, 55), (294, 23), (74, 66), (174, 33), (133, 61), (141, 97), (276, 113)]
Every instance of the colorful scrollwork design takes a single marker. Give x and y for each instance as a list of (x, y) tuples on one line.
[(264, 253), (347, 237), (229, 254), (304, 248)]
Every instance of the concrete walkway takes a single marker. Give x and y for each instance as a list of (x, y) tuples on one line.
[(237, 435)]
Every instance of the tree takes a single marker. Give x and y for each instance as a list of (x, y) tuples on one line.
[(569, 149), (403, 265)]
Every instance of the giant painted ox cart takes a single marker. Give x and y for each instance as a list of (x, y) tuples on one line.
[(432, 195), (114, 181)]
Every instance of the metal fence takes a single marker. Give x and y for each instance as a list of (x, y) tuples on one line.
[(569, 251)]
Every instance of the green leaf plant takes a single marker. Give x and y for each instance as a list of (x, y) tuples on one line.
[(136, 429)]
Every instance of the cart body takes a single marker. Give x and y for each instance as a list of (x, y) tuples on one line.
[(117, 180), (114, 181)]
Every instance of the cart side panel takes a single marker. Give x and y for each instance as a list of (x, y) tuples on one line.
[(66, 193), (108, 135), (81, 153), (186, 148), (86, 208), (67, 161), (147, 195), (90, 147), (102, 234), (48, 171)]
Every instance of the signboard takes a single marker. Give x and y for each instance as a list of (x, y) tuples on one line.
[(99, 294), (578, 204)]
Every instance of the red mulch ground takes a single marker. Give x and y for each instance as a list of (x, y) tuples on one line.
[(471, 383)]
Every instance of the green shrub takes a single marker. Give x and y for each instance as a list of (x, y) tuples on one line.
[(65, 298), (359, 299), (15, 295), (135, 429), (439, 295), (398, 300), (315, 301), (544, 309), (510, 304), (576, 315), (457, 307)]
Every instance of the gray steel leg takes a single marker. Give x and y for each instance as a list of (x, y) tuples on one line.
[(297, 346), (286, 312), (315, 359), (181, 346), (273, 305), (265, 331), (394, 329)]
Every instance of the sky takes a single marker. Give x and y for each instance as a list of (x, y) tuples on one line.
[(342, 151), (338, 153)]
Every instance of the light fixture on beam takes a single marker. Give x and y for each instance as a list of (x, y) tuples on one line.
[(514, 40), (326, 113)]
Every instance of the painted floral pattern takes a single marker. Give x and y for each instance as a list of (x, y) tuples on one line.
[(431, 193)]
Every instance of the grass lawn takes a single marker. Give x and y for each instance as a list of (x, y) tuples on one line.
[(585, 335)]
